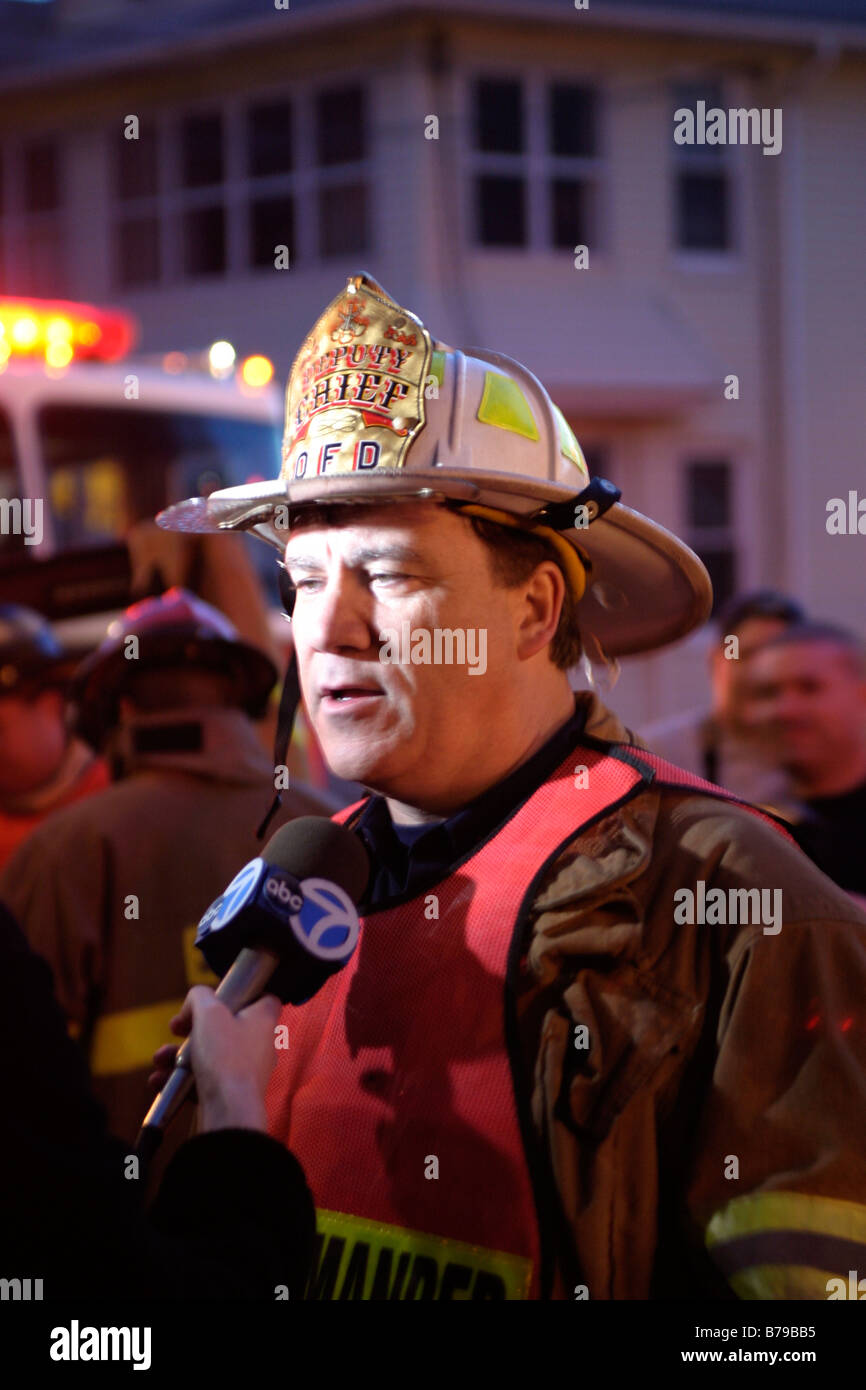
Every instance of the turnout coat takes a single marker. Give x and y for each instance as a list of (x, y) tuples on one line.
[(110, 891), (558, 1072)]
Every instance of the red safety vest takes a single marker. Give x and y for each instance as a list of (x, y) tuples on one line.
[(398, 1090)]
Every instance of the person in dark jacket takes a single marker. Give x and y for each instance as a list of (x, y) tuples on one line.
[(72, 1210), (110, 891)]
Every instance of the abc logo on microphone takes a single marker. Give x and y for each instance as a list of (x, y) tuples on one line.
[(326, 923), (279, 889)]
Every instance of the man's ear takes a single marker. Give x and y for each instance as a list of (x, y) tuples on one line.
[(542, 597)]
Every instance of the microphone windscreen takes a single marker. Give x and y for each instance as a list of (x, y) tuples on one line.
[(315, 847)]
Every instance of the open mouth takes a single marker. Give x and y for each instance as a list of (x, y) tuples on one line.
[(349, 694)]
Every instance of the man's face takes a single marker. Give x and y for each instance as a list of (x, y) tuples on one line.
[(32, 741), (727, 672), (417, 732), (806, 701)]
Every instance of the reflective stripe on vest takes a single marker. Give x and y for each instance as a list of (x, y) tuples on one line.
[(396, 1091)]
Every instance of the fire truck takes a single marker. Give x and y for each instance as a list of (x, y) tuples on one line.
[(95, 440)]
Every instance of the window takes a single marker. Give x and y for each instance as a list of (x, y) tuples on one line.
[(136, 184), (343, 219), (136, 165), (573, 148), (270, 166), (499, 117), (201, 151), (341, 125), (137, 245), (34, 245), (501, 210), (536, 163), (214, 192), (269, 139), (341, 147), (204, 241), (271, 225), (572, 120), (570, 212), (202, 171), (40, 170), (702, 184), (709, 522)]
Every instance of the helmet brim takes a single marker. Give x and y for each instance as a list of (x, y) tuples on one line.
[(645, 589)]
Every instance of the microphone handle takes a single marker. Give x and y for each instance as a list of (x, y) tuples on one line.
[(242, 984)]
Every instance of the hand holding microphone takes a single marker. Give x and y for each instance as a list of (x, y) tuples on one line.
[(232, 1058), (285, 923)]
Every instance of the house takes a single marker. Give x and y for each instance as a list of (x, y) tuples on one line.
[(510, 171)]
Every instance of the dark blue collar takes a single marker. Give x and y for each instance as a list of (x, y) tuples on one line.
[(408, 859)]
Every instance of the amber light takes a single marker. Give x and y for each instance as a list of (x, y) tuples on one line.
[(257, 371)]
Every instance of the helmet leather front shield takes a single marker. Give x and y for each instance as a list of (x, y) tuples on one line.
[(355, 398)]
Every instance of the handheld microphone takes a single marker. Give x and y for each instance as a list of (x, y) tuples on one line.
[(285, 923)]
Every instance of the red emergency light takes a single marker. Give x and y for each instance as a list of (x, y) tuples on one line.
[(58, 332)]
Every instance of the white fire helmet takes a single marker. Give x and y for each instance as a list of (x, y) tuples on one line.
[(377, 411)]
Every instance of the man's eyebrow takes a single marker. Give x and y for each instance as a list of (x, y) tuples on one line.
[(302, 562), (395, 551), (360, 557)]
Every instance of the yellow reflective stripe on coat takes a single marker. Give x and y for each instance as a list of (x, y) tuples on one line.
[(362, 1259), (787, 1244), (127, 1041), (773, 1282)]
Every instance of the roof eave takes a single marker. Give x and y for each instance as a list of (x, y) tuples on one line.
[(804, 33)]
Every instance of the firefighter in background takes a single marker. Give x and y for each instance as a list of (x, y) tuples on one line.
[(219, 570), (110, 891), (571, 1056), (42, 766)]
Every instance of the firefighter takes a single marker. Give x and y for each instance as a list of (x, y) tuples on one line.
[(109, 891), (596, 1039), (42, 767)]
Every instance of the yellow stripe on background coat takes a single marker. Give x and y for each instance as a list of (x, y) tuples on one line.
[(787, 1211), (126, 1041), (773, 1282)]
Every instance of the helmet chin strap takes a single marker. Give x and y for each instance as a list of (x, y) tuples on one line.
[(289, 701), (290, 698)]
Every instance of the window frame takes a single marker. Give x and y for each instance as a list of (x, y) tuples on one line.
[(738, 534), (18, 224), (537, 164), (726, 160), (240, 189)]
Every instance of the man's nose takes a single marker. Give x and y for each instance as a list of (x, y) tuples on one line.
[(339, 614)]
